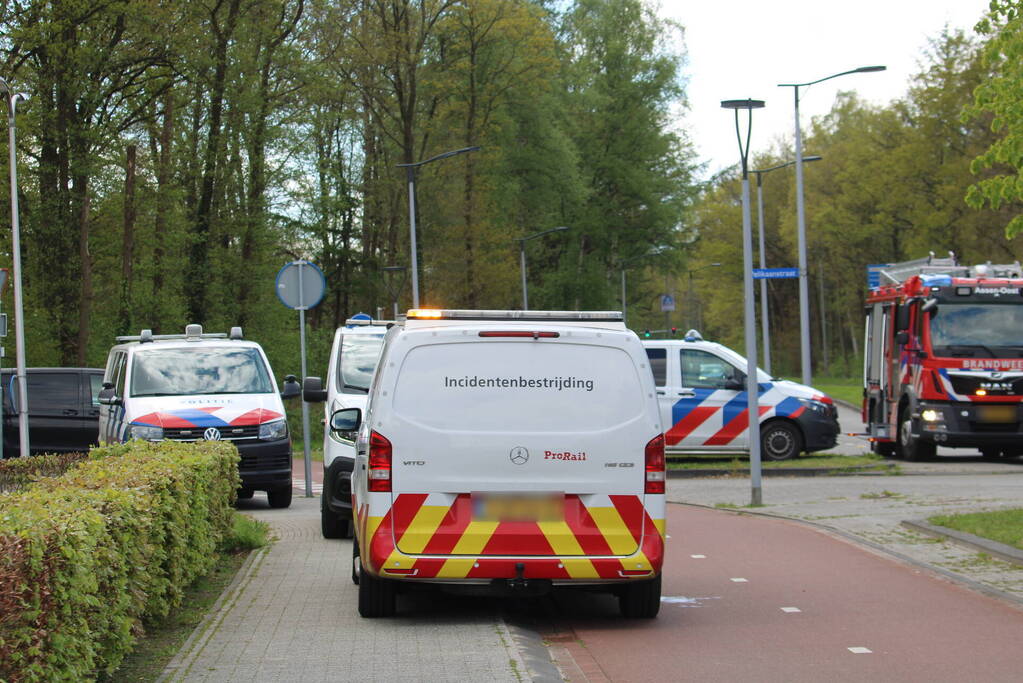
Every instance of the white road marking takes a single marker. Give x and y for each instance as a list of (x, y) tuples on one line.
[(859, 650), (683, 601), (740, 580), (791, 609), (698, 557), (300, 485)]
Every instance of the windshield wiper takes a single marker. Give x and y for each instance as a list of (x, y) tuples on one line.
[(974, 346)]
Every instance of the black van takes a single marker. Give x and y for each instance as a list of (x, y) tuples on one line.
[(63, 409)]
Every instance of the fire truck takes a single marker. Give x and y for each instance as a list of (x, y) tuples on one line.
[(943, 359)]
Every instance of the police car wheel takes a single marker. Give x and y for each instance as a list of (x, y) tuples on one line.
[(780, 441), (641, 599)]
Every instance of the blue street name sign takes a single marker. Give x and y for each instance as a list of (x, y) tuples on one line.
[(774, 273)]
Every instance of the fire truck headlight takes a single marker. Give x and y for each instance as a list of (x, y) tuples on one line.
[(933, 420), (930, 415)]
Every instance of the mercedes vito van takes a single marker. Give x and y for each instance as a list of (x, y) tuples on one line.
[(353, 360), (196, 386), (512, 451)]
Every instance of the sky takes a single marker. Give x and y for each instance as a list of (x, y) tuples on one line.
[(740, 49)]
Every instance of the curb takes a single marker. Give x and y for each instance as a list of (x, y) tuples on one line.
[(855, 470), (994, 548)]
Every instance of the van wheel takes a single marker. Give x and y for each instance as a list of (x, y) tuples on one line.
[(331, 524), (280, 498), (356, 562), (911, 447), (640, 600), (376, 596), (780, 441)]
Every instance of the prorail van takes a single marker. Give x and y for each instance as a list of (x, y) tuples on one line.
[(511, 451)]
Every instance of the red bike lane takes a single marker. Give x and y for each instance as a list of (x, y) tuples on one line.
[(750, 598)]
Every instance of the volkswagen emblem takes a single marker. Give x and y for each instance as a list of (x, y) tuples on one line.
[(211, 434), (519, 455)]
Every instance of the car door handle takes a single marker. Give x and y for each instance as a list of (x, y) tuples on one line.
[(69, 411), (687, 393), (660, 392)]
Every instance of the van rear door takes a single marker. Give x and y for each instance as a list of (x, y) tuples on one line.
[(519, 446)]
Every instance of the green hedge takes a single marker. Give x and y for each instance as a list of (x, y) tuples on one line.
[(86, 557), (17, 473)]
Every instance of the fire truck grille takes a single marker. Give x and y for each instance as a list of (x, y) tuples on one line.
[(970, 386)]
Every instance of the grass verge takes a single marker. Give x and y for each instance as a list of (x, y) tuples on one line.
[(839, 463), (1004, 526), (163, 640), (848, 389)]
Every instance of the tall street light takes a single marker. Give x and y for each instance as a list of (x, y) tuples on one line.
[(621, 265), (522, 259), (410, 175), (689, 297), (752, 386), (19, 317), (804, 293), (765, 326)]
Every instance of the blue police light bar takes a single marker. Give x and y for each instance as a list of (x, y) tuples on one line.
[(774, 273)]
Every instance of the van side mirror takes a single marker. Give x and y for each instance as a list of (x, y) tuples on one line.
[(930, 306), (902, 318), (291, 388), (346, 420), (313, 391), (107, 396)]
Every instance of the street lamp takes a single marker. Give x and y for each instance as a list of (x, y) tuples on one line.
[(522, 259), (752, 388), (393, 272), (625, 262), (689, 297), (19, 317), (804, 293), (410, 175), (765, 325)]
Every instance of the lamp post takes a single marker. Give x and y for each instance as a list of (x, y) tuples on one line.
[(410, 175), (522, 259), (689, 296), (19, 317), (621, 265), (393, 272), (804, 293), (765, 326), (752, 386)]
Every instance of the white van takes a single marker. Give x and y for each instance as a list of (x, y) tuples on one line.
[(353, 360), (509, 450), (195, 386), (701, 388)]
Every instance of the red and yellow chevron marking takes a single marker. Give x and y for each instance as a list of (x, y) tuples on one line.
[(435, 537)]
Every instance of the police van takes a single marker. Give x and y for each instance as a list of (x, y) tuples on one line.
[(701, 390), (202, 386), (353, 359), (511, 452)]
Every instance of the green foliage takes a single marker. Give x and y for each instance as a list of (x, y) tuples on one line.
[(1004, 526), (17, 473), (246, 534), (87, 556)]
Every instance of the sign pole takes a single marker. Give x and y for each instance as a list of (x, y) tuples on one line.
[(305, 406)]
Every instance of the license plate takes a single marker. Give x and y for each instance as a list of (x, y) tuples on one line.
[(996, 413), (518, 507)]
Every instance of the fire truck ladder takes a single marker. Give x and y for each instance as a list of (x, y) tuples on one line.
[(899, 272)]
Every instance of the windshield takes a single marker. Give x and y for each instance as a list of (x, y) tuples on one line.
[(359, 356), (188, 372), (977, 330)]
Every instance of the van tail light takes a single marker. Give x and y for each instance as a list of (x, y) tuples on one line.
[(379, 463), (655, 465)]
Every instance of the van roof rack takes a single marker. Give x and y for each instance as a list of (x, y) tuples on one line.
[(360, 319), (513, 315), (193, 332)]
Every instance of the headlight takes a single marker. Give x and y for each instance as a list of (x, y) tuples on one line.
[(930, 415), (819, 407), (146, 433), (273, 431)]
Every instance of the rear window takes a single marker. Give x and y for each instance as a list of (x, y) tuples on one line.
[(518, 386)]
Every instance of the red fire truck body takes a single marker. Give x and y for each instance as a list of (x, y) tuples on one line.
[(943, 359)]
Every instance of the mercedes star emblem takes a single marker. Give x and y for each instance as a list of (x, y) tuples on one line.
[(211, 434), (519, 455)]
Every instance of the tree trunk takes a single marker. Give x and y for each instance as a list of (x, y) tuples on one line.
[(128, 250)]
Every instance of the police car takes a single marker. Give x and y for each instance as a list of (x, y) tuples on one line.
[(512, 452), (353, 359), (202, 386), (701, 390)]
